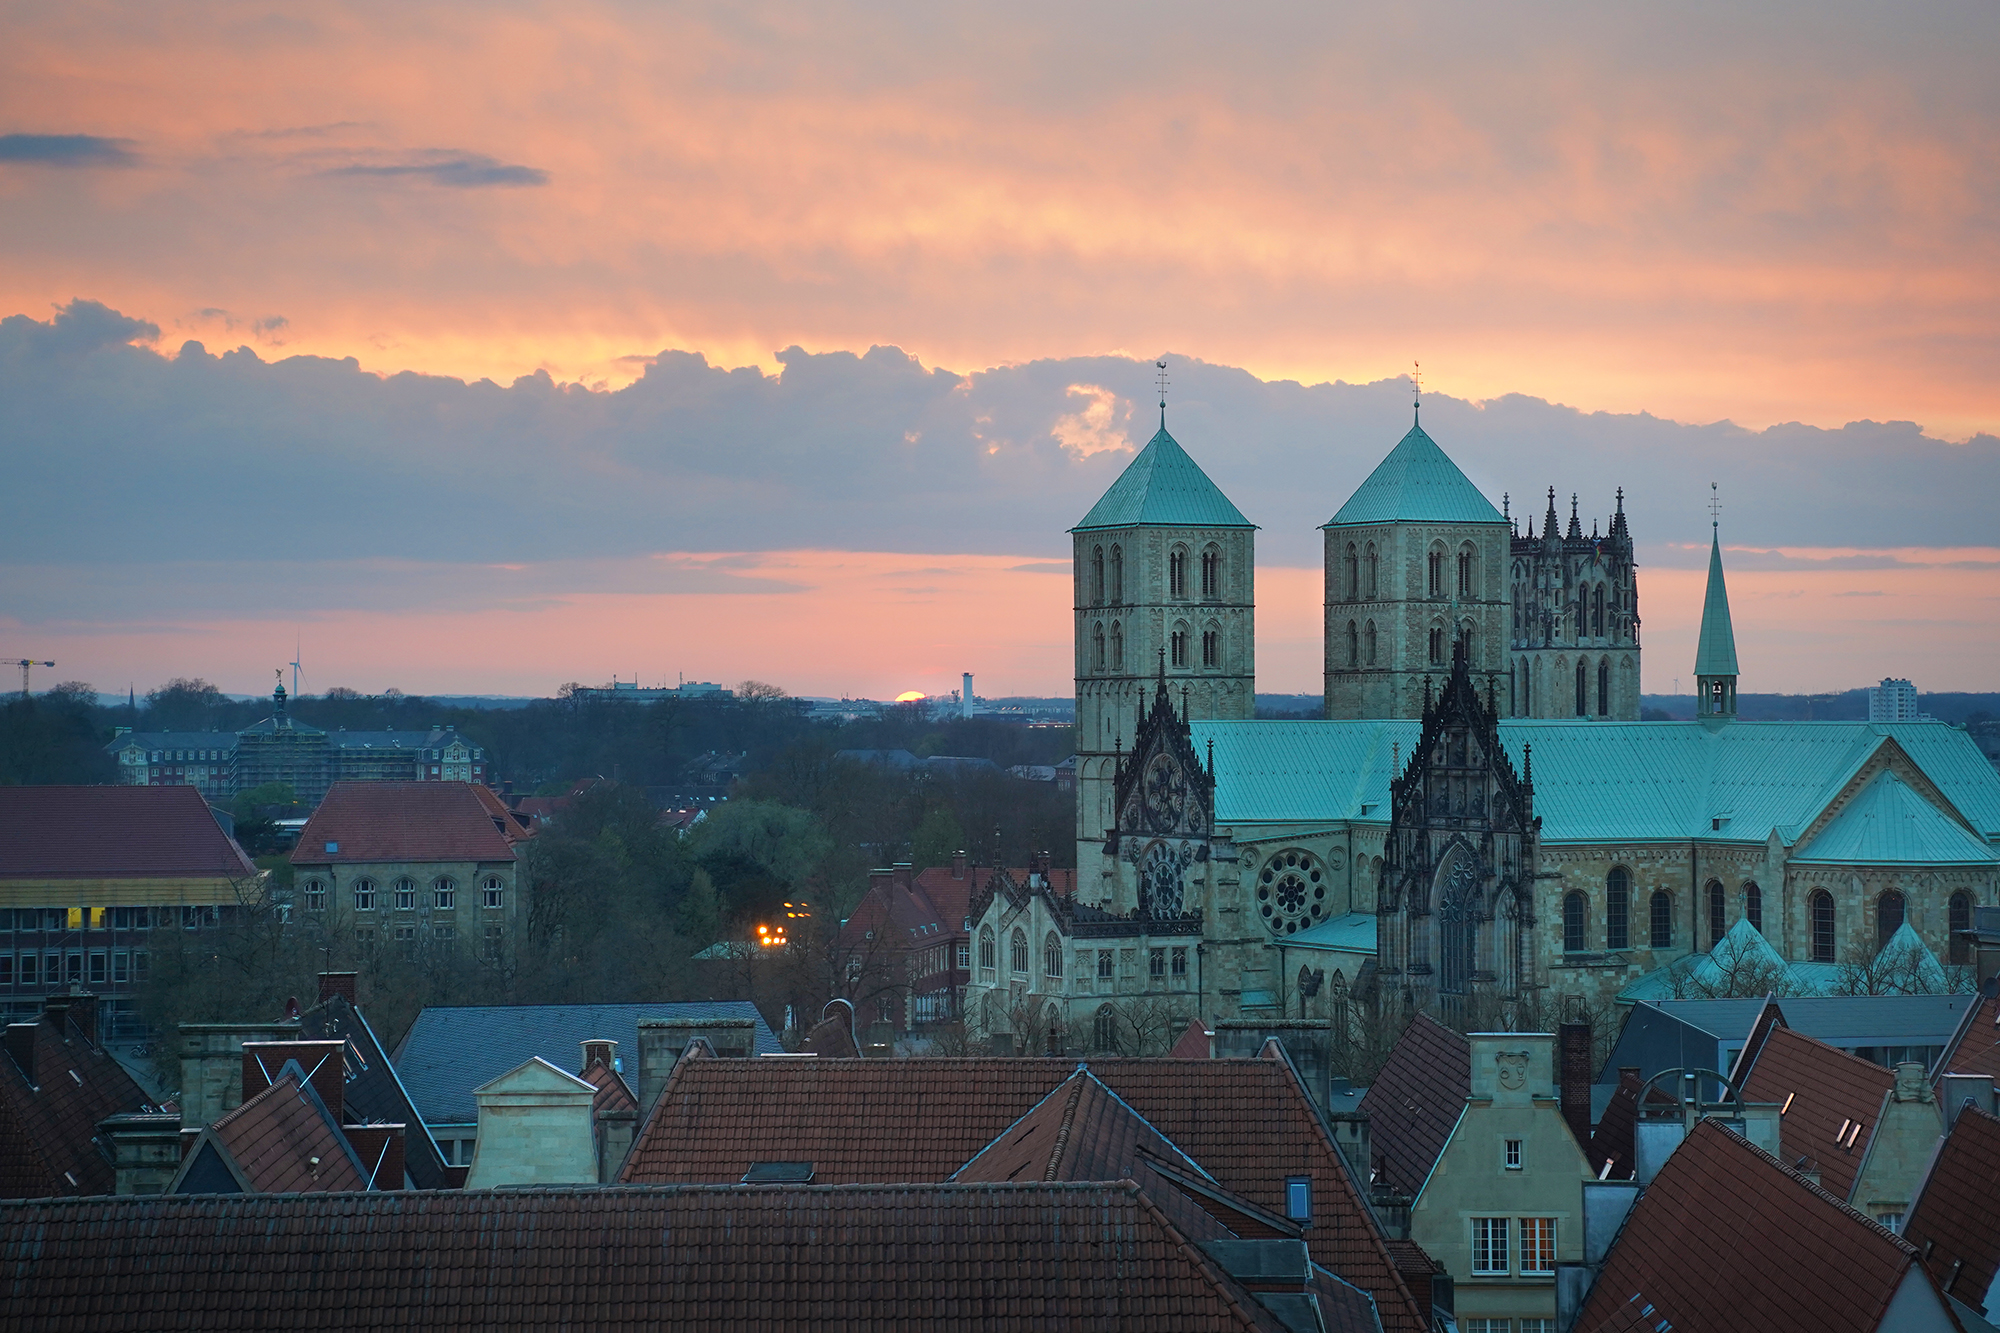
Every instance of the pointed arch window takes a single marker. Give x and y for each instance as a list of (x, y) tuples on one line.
[(1575, 919), (1097, 646), (1753, 907), (1369, 566), (1718, 911), (1437, 645), (1352, 566), (1104, 1030), (1468, 572), (1582, 689), (1597, 611), (1177, 574), (1820, 911), (1662, 920), (1434, 579), (1959, 919), (1178, 647), (1889, 909), (1097, 576), (1019, 950), (1458, 925), (1368, 637), (1052, 957), (1211, 573), (1211, 649), (1117, 576), (1117, 646), (1604, 688), (986, 951), (1353, 645), (1618, 908)]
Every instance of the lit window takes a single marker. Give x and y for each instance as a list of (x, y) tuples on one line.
[(1514, 1160), (1538, 1245), (1299, 1198), (1489, 1245), (493, 892)]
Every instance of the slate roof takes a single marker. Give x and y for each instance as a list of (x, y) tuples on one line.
[(373, 1092), (114, 832), (1163, 487), (1598, 781), (1416, 483), (405, 821), (1839, 1020), (269, 1144), (49, 1115), (1831, 1092), (1715, 650), (1416, 1100), (1247, 1122), (1004, 1257), (1888, 824), (452, 1049), (1955, 1221), (1726, 1238)]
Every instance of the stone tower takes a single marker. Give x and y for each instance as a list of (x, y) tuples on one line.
[(1574, 636), (1164, 577), (1415, 563)]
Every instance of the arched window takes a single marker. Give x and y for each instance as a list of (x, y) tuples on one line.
[(1177, 646), (1663, 920), (1369, 566), (986, 961), (1097, 646), (493, 892), (1434, 580), (1117, 646), (364, 895), (1888, 917), (1352, 567), (1753, 907), (1211, 573), (1820, 908), (1437, 645), (1097, 576), (1177, 573), (1618, 908), (1118, 576), (406, 895), (1211, 648), (315, 895), (1353, 645), (1019, 950), (1604, 687), (1368, 636), (1052, 957), (1959, 918), (1717, 912), (445, 893), (1465, 641), (1468, 572), (1582, 689), (1104, 1031), (1574, 915), (1597, 611)]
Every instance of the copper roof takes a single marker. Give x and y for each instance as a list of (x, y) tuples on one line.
[(405, 821), (1248, 1123), (1832, 1100), (1415, 1100), (874, 1257), (49, 1114), (1726, 1238), (1955, 1222), (121, 832)]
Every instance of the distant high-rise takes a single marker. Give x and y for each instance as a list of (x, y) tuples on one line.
[(965, 697), (1892, 701)]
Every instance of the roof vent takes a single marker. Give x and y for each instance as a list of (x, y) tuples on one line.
[(779, 1173)]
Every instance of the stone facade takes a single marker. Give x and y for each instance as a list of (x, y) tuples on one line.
[(1573, 633), (417, 908), (534, 1129)]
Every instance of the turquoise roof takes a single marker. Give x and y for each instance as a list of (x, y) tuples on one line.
[(1163, 487), (1353, 932), (1715, 655), (1416, 483), (1600, 781), (1744, 953), (1888, 824)]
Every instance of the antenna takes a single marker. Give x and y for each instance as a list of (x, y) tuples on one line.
[(1163, 382), (1714, 506)]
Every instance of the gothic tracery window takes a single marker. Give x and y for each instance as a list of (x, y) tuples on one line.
[(1458, 924), (1097, 576), (1292, 892), (1370, 564), (1052, 956), (1117, 576), (1019, 952), (1211, 573), (1211, 648), (1177, 574), (1177, 646), (1434, 578), (1597, 611)]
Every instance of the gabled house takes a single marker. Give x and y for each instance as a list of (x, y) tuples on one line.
[(57, 1086), (1412, 1105), (1955, 1222), (1725, 1237), (291, 1132), (534, 1129)]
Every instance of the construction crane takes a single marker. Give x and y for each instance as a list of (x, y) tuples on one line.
[(25, 663)]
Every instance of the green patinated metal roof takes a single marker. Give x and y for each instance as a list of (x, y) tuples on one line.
[(1716, 654), (1888, 824), (1601, 781), (1743, 950), (1416, 483), (1163, 487), (1354, 932)]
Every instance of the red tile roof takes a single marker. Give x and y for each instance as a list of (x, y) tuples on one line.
[(1002, 1257), (1415, 1100), (1248, 1123), (1955, 1222), (1830, 1093), (612, 1094), (1080, 1131), (1726, 1238), (1193, 1044), (113, 833), (405, 821), (273, 1139), (49, 1114), (1977, 1049)]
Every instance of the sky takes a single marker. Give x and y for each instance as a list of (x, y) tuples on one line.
[(478, 348)]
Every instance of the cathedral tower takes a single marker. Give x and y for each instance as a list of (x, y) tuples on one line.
[(1574, 634), (1715, 654), (1164, 577), (1415, 564)]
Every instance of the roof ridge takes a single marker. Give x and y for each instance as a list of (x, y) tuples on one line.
[(1077, 1082)]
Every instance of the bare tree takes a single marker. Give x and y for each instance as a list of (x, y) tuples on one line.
[(1740, 971)]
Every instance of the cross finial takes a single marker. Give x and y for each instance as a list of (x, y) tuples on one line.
[(1714, 506), (1163, 381)]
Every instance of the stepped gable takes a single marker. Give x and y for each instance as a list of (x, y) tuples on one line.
[(1829, 1093), (1415, 1101)]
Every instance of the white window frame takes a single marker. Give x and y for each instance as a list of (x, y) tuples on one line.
[(1487, 1234), (1510, 1153), (1542, 1248)]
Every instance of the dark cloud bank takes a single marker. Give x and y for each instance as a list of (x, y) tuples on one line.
[(117, 453)]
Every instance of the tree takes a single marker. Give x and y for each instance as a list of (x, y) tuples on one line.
[(77, 694), (51, 742), (937, 839), (1736, 969), (758, 691), (758, 853)]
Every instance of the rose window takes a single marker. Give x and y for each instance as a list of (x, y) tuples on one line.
[(1291, 892)]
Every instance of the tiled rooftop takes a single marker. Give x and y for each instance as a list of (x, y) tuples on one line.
[(49, 1115), (1416, 1099), (1830, 1093), (283, 1140), (405, 821), (373, 1091), (1977, 1051), (1247, 1122), (1726, 1238), (1955, 1222), (910, 1257), (116, 832)]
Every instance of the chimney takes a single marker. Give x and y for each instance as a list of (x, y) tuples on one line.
[(958, 864), (324, 1063), (1574, 1054), (338, 983), (21, 1046), (380, 1148), (145, 1149), (902, 874), (599, 1050), (80, 1007)]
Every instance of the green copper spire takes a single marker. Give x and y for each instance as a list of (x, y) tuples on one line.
[(1416, 483), (1163, 487), (1715, 655)]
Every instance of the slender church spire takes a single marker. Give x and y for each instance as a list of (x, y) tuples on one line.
[(1715, 655)]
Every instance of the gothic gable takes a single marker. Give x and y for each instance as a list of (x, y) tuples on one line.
[(1164, 804)]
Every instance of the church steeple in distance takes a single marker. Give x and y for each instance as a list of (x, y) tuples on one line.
[(1715, 654)]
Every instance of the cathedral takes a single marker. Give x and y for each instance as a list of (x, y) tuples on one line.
[(1480, 827)]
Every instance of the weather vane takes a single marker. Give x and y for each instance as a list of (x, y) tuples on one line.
[(1714, 506), (1417, 385), (1163, 392)]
